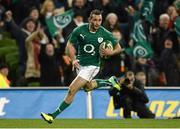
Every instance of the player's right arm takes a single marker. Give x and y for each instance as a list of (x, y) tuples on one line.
[(71, 50)]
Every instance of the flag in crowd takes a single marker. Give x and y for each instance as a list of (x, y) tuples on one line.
[(141, 48), (147, 10), (59, 21)]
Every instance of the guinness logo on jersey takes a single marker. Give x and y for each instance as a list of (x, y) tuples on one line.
[(100, 39)]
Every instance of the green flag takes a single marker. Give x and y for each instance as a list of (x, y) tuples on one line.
[(147, 10), (59, 21), (138, 34), (177, 25), (141, 48)]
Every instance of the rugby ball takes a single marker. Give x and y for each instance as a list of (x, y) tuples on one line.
[(105, 45)]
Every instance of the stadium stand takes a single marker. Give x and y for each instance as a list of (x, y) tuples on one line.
[(139, 23)]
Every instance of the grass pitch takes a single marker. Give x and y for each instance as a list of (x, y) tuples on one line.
[(94, 123)]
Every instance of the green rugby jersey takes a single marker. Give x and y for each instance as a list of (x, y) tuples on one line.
[(88, 44)]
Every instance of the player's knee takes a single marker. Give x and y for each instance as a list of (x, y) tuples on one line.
[(89, 86), (93, 84), (86, 89), (71, 91)]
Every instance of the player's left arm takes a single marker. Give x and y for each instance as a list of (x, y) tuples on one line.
[(116, 46), (108, 52), (117, 49)]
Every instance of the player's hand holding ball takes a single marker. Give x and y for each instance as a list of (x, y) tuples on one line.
[(106, 49)]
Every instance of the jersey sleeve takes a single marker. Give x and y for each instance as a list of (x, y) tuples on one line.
[(74, 36)]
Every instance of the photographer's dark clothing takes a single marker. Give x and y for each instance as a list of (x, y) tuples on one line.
[(132, 100)]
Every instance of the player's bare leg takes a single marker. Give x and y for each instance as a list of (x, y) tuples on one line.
[(76, 84)]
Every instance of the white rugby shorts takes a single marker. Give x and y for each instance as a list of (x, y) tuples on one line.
[(88, 72)]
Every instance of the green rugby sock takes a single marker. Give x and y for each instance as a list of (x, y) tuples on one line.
[(103, 83), (60, 108)]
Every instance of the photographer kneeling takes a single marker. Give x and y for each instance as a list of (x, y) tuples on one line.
[(132, 96)]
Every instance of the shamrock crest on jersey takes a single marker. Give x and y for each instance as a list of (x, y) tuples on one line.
[(100, 39)]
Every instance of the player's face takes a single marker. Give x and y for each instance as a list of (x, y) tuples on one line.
[(95, 22)]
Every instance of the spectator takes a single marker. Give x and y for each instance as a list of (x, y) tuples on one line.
[(82, 6), (119, 37), (173, 13), (160, 7), (20, 8), (170, 10), (160, 33), (20, 34), (121, 11), (4, 82), (50, 72), (34, 13), (111, 22), (168, 65), (106, 6), (77, 21), (141, 64), (47, 10), (32, 45)]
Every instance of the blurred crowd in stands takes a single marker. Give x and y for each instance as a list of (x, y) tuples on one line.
[(41, 57)]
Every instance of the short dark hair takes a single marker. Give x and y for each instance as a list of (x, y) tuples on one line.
[(96, 12), (26, 20)]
